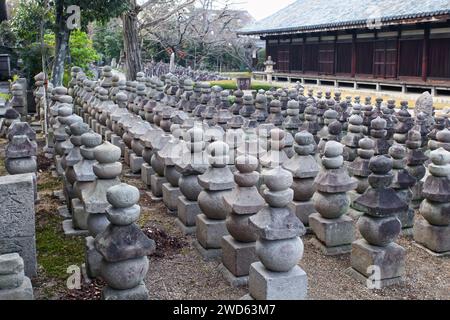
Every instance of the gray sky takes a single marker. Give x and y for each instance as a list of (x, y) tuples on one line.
[(260, 9)]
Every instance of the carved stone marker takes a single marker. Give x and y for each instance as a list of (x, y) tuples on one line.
[(17, 227)]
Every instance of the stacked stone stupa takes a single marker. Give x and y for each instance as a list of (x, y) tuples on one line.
[(124, 247), (217, 181), (432, 230), (377, 253), (279, 248), (332, 226), (304, 170), (238, 248)]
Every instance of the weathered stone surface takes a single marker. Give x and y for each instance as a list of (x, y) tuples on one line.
[(332, 232), (267, 285), (390, 259), (24, 292), (238, 256), (137, 293), (435, 238), (17, 230)]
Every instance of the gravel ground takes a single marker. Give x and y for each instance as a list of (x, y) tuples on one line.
[(183, 274)]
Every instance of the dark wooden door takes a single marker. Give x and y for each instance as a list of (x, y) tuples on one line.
[(311, 59), (364, 58), (344, 58), (411, 53), (385, 59), (326, 58), (296, 58), (439, 58), (283, 60)]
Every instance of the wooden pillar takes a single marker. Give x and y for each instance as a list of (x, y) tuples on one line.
[(426, 45), (399, 48), (353, 55), (303, 54)]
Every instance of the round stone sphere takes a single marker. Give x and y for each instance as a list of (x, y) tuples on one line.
[(97, 223), (190, 187), (172, 175), (137, 147), (91, 139), (125, 274), (122, 195), (239, 228), (280, 255), (21, 165), (437, 214), (157, 165), (107, 170), (278, 179), (380, 164), (123, 216), (107, 153), (212, 205), (379, 231), (331, 205), (246, 163), (303, 189), (333, 149)]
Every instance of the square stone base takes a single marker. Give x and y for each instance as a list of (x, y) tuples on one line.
[(207, 254), (302, 210), (156, 183), (152, 197), (232, 279), (115, 140), (93, 258), (25, 247), (185, 229), (170, 196), (70, 231), (102, 131), (146, 173), (267, 285), (331, 251), (434, 238), (238, 256), (126, 155), (333, 232), (136, 163), (24, 292), (79, 216), (188, 211), (63, 211), (407, 218), (389, 260), (370, 283), (58, 167), (210, 232), (137, 293), (108, 134)]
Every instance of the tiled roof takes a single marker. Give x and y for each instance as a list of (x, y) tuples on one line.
[(304, 15)]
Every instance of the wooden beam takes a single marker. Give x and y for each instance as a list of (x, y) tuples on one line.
[(426, 45), (353, 55)]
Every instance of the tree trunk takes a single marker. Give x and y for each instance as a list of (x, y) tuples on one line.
[(62, 35), (3, 12), (132, 47)]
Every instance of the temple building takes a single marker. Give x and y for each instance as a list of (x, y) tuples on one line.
[(374, 44)]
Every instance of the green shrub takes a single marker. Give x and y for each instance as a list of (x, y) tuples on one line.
[(231, 85)]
